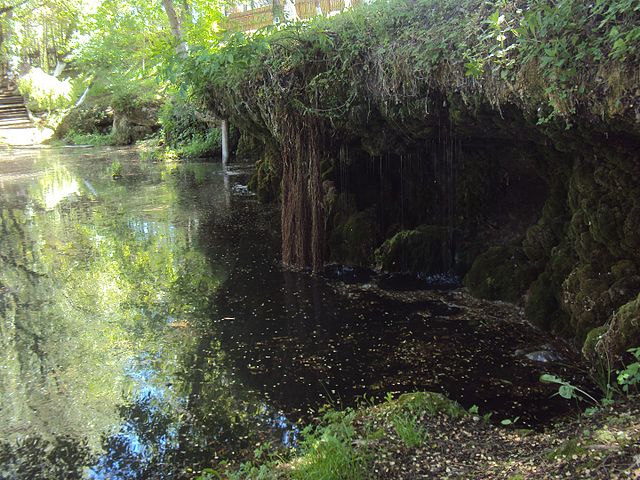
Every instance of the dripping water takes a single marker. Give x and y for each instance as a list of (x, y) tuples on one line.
[(402, 187)]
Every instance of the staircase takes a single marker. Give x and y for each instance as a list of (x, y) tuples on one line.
[(13, 112)]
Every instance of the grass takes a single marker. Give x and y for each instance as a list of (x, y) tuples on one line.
[(409, 431), (339, 445), (95, 139)]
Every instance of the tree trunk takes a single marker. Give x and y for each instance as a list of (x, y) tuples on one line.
[(176, 29)]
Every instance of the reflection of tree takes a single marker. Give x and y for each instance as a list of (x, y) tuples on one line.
[(34, 457), (82, 291), (107, 295)]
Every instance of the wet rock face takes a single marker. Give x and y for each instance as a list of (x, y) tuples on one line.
[(602, 193), (569, 251), (133, 124)]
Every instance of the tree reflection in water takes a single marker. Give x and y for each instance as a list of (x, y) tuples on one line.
[(107, 344)]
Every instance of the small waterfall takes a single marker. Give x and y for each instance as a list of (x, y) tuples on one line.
[(402, 193), (444, 153), (451, 157), (343, 168)]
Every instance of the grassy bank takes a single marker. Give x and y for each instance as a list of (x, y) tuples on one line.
[(424, 435)]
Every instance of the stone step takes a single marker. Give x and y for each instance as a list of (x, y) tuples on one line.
[(16, 125), (13, 111), (12, 108), (11, 100)]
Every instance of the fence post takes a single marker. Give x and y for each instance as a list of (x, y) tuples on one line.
[(224, 130)]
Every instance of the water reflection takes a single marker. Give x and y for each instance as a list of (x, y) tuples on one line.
[(105, 300), (148, 331)]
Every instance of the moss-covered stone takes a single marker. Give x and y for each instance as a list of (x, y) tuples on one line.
[(134, 122), (543, 306), (550, 230), (427, 249), (429, 402), (593, 337), (501, 273), (353, 240), (623, 331), (249, 148)]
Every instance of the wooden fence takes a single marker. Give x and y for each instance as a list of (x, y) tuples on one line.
[(256, 18), (250, 20)]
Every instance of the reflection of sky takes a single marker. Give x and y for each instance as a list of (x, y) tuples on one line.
[(147, 229), (60, 188), (148, 435), (128, 453), (290, 431)]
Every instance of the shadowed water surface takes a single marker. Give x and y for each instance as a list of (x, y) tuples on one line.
[(148, 331)]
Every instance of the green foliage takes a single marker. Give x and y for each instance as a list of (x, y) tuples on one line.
[(116, 169), (474, 410), (509, 421), (45, 92), (629, 377), (185, 131), (392, 56), (566, 390), (95, 139), (202, 146), (327, 451), (429, 403), (39, 33), (121, 43), (337, 446)]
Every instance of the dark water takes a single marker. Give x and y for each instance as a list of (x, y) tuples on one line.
[(148, 331)]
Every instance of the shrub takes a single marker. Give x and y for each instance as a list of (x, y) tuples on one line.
[(45, 92)]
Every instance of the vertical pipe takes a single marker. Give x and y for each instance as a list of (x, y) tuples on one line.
[(224, 129)]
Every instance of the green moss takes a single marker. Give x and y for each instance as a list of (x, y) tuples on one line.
[(550, 230), (249, 148), (623, 331), (544, 306), (430, 403), (541, 305), (353, 240), (265, 181), (424, 250), (590, 343), (500, 273)]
